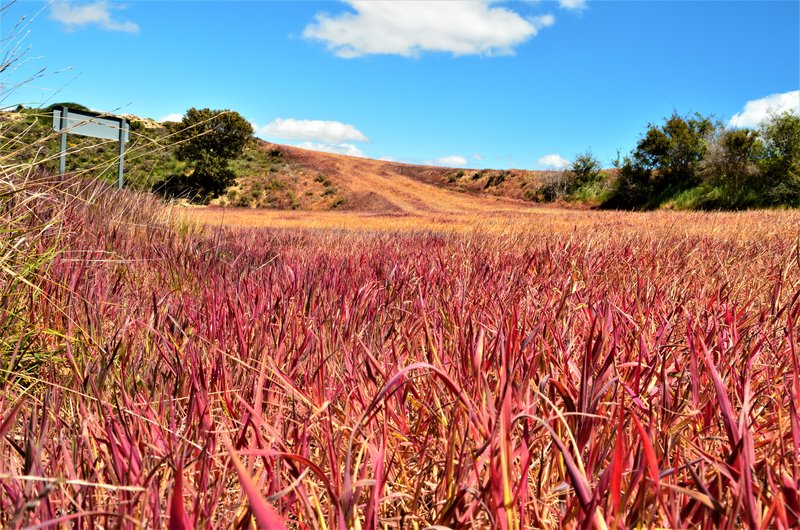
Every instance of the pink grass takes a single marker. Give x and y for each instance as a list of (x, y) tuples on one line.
[(182, 377)]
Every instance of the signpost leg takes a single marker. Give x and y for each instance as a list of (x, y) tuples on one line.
[(62, 162), (123, 126)]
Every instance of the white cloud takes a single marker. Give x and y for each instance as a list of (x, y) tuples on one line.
[(171, 117), (448, 161), (757, 110), (339, 149), (577, 5), (476, 156), (75, 16), (326, 132), (388, 159), (553, 161), (414, 26)]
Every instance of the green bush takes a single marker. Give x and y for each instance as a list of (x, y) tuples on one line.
[(207, 140), (780, 163)]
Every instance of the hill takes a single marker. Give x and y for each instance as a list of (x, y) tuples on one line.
[(272, 175), (375, 185)]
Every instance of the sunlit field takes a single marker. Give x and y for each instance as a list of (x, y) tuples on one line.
[(519, 368)]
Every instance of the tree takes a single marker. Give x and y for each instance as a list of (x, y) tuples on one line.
[(780, 163), (631, 188), (208, 139), (731, 167), (674, 150), (583, 171), (667, 160), (586, 169)]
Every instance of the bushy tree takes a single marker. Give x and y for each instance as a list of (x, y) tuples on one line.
[(207, 140), (731, 168), (667, 159), (586, 169), (674, 150), (583, 171), (780, 163), (631, 188)]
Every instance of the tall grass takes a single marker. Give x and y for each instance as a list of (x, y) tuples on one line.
[(156, 374)]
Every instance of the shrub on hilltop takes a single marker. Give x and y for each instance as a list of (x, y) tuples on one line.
[(207, 140)]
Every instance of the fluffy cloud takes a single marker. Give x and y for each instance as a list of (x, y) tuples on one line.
[(339, 149), (757, 110), (171, 117), (327, 132), (572, 4), (75, 16), (553, 161), (411, 27), (448, 161)]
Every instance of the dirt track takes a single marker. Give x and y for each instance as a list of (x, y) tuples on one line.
[(384, 187)]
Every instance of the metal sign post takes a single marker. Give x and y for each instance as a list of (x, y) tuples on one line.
[(95, 125)]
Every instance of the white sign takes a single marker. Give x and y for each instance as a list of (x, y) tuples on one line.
[(92, 124)]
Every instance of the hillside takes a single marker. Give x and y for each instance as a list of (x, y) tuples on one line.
[(364, 184), (271, 175)]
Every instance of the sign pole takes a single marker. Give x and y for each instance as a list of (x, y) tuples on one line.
[(62, 163), (94, 125), (122, 129)]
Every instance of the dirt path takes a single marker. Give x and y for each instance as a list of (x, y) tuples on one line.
[(382, 187)]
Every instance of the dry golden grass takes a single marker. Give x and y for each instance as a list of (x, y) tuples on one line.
[(506, 217), (386, 197)]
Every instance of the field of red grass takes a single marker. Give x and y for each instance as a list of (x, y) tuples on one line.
[(556, 370)]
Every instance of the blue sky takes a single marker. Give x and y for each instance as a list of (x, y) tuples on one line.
[(481, 84)]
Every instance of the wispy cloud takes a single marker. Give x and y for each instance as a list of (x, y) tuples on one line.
[(408, 28), (171, 117), (327, 132), (575, 5), (757, 111), (448, 161), (75, 16), (339, 149), (553, 161)]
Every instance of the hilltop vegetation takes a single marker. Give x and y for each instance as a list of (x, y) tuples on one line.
[(687, 162), (693, 162), (261, 176)]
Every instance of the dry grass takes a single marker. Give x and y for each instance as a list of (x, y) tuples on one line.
[(508, 369), (500, 216)]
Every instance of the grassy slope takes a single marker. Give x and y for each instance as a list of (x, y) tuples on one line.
[(270, 175)]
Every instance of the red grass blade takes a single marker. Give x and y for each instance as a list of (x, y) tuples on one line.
[(265, 515), (177, 511), (649, 452)]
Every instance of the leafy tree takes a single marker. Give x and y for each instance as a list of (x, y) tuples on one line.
[(674, 150), (586, 169), (207, 140), (731, 167), (780, 163), (631, 188), (583, 171), (667, 159)]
